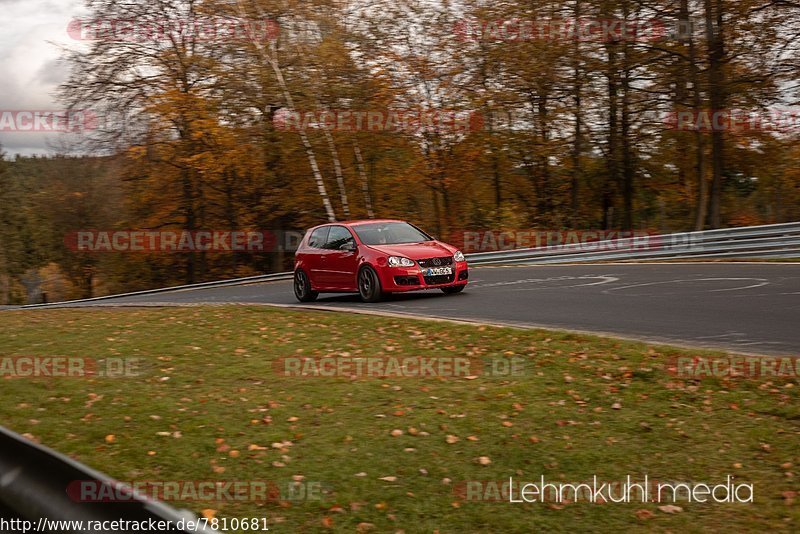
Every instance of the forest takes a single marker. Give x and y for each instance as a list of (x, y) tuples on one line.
[(657, 115)]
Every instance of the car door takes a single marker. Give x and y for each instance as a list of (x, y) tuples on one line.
[(341, 260), (314, 256)]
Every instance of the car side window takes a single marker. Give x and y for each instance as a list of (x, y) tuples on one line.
[(318, 237), (338, 236)]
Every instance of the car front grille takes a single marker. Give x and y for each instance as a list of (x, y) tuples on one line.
[(436, 262), (436, 280)]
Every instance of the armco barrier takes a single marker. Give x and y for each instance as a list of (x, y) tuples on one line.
[(754, 242), (34, 482)]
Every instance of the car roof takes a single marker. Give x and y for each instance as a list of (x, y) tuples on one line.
[(358, 222)]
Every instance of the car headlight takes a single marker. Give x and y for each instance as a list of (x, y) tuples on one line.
[(399, 261), (459, 256)]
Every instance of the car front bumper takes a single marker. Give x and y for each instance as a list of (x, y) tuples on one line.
[(401, 279)]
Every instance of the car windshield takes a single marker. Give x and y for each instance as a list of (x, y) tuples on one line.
[(392, 233)]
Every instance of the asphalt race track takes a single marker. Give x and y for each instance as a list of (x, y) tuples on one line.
[(745, 307)]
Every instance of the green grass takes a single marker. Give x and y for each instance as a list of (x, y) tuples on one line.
[(207, 374)]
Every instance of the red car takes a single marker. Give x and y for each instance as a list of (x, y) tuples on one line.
[(373, 258)]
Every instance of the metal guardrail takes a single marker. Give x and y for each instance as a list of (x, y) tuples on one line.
[(204, 285), (755, 242)]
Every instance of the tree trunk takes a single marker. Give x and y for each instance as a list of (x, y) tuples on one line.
[(577, 147), (287, 95), (718, 102), (699, 137), (613, 143), (627, 151), (362, 172), (337, 170)]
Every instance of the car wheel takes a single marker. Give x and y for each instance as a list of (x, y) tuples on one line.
[(302, 288), (453, 290), (369, 285)]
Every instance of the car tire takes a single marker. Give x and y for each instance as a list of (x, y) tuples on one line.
[(302, 287), (453, 290), (369, 285)]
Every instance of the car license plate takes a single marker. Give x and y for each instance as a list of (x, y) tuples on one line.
[(439, 271)]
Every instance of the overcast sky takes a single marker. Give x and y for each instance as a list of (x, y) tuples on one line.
[(29, 64)]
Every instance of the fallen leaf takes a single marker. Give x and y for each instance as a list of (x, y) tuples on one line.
[(451, 439), (670, 509), (484, 460)]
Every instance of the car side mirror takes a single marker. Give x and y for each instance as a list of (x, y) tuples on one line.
[(348, 247)]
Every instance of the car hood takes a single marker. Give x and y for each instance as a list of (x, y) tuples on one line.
[(416, 251)]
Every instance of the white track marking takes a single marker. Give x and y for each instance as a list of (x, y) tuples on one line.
[(761, 283), (732, 334), (604, 279)]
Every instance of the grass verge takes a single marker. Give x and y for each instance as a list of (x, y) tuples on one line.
[(210, 406)]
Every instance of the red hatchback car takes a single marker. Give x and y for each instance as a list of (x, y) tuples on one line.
[(373, 258)]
